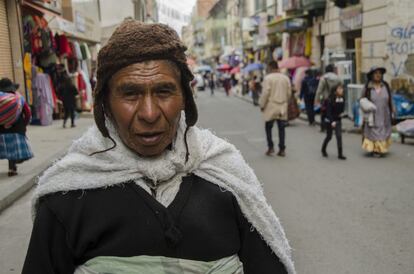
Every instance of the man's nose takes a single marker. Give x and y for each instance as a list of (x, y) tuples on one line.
[(148, 109)]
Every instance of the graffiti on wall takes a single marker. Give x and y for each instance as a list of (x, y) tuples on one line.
[(400, 38), (400, 46)]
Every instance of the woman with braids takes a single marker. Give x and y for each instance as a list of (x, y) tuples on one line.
[(377, 99), (145, 190)]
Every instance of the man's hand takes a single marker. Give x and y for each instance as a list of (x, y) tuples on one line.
[(333, 124)]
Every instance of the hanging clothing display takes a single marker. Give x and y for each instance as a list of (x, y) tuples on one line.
[(78, 52), (63, 47), (27, 67), (43, 98), (88, 89), (86, 54)]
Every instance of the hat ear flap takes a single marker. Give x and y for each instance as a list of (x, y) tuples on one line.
[(190, 107), (99, 115)]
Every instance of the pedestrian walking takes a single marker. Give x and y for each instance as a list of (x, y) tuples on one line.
[(211, 83), (377, 133), (254, 87), (329, 80), (273, 102), (68, 93), (182, 200), (227, 84), (15, 115), (307, 94), (335, 106)]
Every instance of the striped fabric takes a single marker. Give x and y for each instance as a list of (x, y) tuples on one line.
[(14, 146), (10, 108)]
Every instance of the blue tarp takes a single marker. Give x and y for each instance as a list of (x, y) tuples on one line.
[(403, 106)]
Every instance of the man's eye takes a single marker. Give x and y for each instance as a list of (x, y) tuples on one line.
[(129, 94), (164, 92)]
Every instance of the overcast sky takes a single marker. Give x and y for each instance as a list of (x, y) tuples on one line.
[(185, 6), (166, 15)]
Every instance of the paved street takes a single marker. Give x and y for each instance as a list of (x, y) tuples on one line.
[(340, 217)]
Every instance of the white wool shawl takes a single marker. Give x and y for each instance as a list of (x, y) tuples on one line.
[(210, 158)]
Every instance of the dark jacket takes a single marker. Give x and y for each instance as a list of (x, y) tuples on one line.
[(335, 106), (308, 88), (202, 223), (68, 93)]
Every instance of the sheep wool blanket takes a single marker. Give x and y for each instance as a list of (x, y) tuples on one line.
[(210, 158)]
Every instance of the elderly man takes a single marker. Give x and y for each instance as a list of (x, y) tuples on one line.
[(274, 101), (145, 191)]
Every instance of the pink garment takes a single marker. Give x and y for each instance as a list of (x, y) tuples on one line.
[(298, 78), (44, 99)]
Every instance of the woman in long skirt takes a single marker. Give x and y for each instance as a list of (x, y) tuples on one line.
[(377, 136), (14, 116)]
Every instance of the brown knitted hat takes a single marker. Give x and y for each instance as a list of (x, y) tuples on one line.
[(134, 42)]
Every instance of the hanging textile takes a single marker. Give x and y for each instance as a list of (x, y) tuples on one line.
[(308, 42), (78, 52), (43, 98), (86, 54), (27, 67), (82, 90), (64, 49), (88, 89)]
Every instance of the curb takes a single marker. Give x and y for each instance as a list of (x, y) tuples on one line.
[(22, 186)]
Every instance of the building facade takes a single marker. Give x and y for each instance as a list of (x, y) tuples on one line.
[(11, 61)]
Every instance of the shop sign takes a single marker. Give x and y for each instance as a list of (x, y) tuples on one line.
[(65, 25), (296, 24), (291, 5), (262, 36), (80, 22), (288, 25), (52, 5), (350, 18)]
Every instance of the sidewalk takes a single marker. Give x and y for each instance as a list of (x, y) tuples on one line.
[(48, 144), (347, 125)]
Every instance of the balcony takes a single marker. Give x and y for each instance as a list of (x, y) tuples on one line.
[(313, 4)]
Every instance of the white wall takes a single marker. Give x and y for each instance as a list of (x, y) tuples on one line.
[(374, 33), (114, 12)]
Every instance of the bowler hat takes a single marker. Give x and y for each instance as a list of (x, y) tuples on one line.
[(6, 85), (375, 68)]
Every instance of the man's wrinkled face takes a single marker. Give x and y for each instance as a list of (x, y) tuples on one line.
[(145, 103)]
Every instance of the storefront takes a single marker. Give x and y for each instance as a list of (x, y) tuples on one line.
[(53, 50), (297, 42)]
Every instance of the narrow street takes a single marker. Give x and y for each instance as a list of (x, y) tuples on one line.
[(353, 216)]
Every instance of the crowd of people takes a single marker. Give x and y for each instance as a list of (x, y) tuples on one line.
[(277, 95), (326, 92)]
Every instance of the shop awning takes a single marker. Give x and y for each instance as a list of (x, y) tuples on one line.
[(287, 24), (40, 9)]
